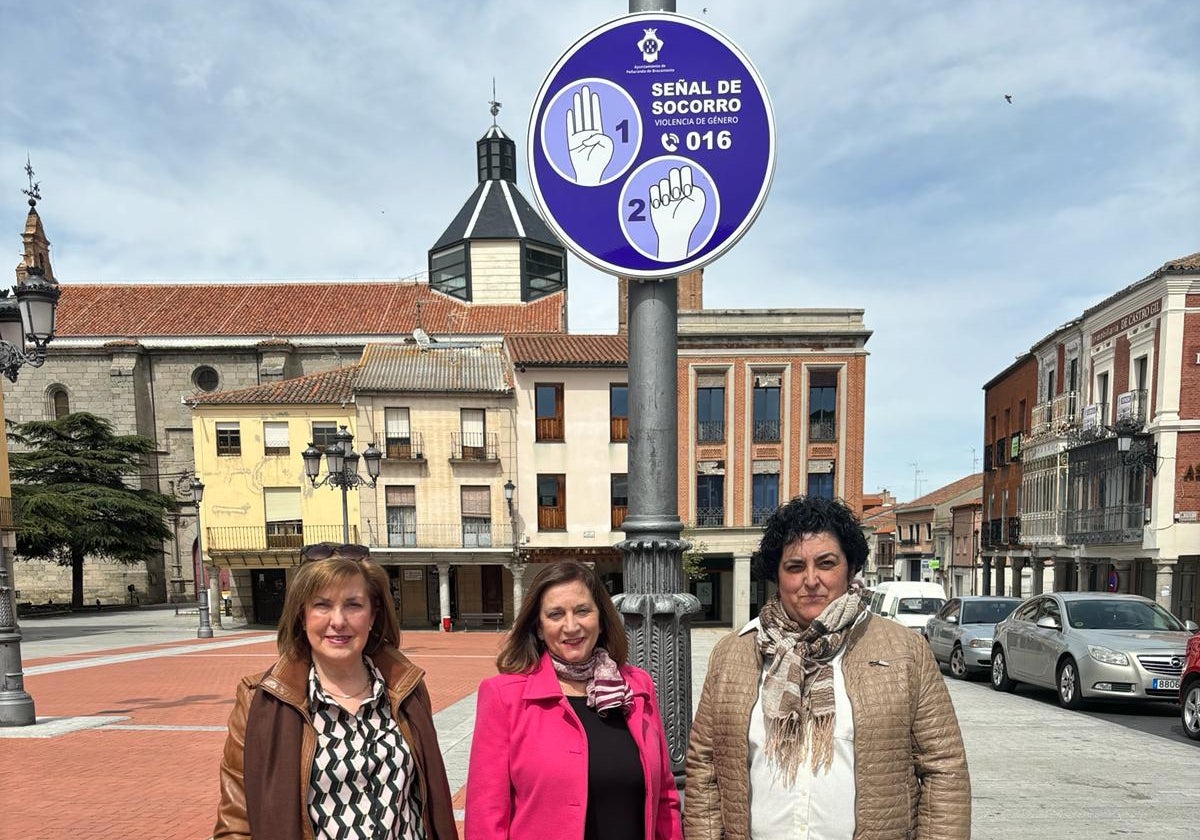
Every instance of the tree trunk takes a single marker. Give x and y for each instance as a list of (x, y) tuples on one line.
[(76, 579)]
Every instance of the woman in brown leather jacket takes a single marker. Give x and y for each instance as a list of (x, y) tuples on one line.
[(336, 739), (819, 719)]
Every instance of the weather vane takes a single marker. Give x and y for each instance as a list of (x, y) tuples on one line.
[(34, 194), (495, 105)]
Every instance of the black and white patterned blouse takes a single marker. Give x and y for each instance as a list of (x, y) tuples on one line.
[(364, 779)]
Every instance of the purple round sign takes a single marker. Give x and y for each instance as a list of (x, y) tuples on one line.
[(651, 145)]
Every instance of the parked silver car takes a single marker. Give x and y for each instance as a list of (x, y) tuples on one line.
[(1091, 645), (960, 633)]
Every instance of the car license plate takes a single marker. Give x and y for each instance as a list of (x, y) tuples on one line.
[(1164, 685)]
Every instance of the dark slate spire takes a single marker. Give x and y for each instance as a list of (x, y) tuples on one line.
[(497, 155)]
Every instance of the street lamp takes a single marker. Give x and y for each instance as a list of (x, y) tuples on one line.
[(205, 630), (341, 462), (1146, 456), (509, 489)]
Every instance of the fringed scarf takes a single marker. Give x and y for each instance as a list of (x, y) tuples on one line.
[(797, 690), (606, 688)]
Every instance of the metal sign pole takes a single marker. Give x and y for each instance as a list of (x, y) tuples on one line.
[(655, 604)]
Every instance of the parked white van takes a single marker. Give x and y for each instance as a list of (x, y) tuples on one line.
[(910, 602)]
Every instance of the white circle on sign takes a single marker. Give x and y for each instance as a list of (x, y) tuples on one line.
[(592, 132), (669, 208)]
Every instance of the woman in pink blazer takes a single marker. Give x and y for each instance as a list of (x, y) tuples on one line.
[(568, 742)]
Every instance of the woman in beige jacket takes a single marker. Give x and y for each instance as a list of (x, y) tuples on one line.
[(819, 720)]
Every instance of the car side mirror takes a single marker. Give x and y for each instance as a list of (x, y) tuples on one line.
[(1049, 622), (952, 619), (1191, 626)]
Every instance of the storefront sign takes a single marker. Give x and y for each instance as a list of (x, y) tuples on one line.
[(1131, 320)]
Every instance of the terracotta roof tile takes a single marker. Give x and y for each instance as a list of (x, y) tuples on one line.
[(290, 309), (883, 521), (561, 350), (448, 367), (1189, 263), (944, 494), (325, 388)]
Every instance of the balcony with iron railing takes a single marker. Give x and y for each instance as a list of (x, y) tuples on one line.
[(1042, 527), (759, 515), (766, 431), (710, 431), (474, 534), (408, 448), (272, 538), (1013, 530), (1119, 523), (1057, 416), (822, 429), (474, 447), (1132, 411), (710, 517)]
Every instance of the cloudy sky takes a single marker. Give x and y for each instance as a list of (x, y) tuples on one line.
[(302, 139)]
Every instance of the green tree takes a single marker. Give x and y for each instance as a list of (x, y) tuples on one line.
[(70, 496)]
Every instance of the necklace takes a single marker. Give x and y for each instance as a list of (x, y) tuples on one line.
[(344, 696)]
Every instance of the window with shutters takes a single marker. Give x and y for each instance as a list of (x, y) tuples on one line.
[(398, 442), (620, 499), (229, 439), (275, 438), (401, 510), (822, 405), (766, 407), (474, 434), (618, 413), (285, 528), (476, 516), (552, 502), (548, 409), (710, 410)]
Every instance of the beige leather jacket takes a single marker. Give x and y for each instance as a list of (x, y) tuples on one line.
[(910, 770)]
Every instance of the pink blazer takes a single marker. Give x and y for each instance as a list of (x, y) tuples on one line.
[(529, 764)]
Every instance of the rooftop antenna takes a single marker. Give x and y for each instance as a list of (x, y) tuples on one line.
[(974, 461), (495, 109), (916, 479), (33, 192)]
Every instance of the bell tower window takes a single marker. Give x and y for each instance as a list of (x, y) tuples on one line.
[(543, 271)]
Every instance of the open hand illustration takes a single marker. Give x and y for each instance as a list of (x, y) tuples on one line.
[(676, 205), (590, 148)]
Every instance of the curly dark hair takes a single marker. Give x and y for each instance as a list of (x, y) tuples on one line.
[(809, 515)]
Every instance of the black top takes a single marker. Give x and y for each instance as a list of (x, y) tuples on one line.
[(616, 793)]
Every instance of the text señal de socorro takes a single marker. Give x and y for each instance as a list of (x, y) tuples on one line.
[(682, 97)]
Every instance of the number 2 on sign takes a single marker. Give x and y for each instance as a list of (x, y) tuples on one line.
[(639, 210)]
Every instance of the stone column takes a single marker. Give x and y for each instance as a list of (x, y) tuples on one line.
[(1083, 573), (517, 569), (741, 590), (443, 570), (1018, 571), (1037, 581), (1164, 576), (999, 574), (214, 597), (986, 577)]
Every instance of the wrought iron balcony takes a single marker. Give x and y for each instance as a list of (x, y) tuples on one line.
[(710, 431), (766, 431), (264, 538), (822, 429), (474, 447), (474, 534), (410, 448), (710, 517), (1107, 525)]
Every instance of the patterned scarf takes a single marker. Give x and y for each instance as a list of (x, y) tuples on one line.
[(606, 688), (798, 687)]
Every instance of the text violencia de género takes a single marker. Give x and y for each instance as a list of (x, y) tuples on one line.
[(685, 97)]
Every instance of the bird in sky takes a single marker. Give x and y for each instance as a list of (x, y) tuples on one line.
[(1008, 98)]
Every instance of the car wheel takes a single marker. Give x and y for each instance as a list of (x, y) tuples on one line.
[(1000, 678), (1069, 695), (1191, 710), (958, 663)]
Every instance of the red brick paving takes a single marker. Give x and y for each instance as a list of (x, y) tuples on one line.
[(113, 784)]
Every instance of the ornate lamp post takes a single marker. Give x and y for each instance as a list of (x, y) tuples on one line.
[(205, 630), (1146, 456), (341, 462), (26, 318)]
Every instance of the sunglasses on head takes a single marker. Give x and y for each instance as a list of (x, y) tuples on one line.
[(325, 550)]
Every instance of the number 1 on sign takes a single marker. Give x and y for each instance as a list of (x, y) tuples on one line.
[(623, 127)]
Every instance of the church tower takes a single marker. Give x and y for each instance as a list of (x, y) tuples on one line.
[(498, 249)]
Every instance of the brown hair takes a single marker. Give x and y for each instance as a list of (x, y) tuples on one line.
[(315, 576), (522, 649)]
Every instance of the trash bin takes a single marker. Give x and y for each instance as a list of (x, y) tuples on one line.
[(445, 624)]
